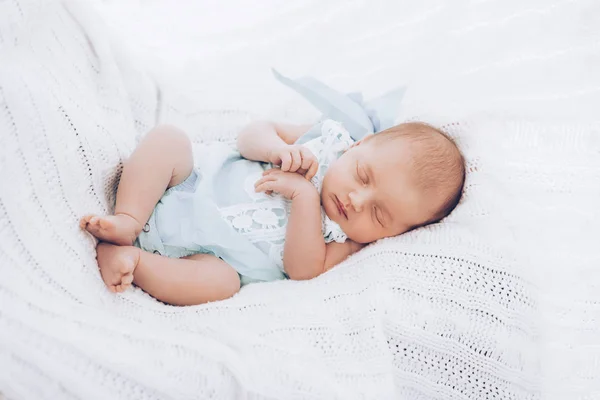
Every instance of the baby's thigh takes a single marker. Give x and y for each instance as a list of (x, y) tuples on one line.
[(219, 279)]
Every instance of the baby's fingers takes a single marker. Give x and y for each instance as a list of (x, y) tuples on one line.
[(296, 160), (265, 178), (309, 163), (286, 160), (312, 170), (273, 171), (268, 187), (270, 176)]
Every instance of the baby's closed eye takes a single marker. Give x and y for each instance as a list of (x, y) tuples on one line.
[(378, 216), (361, 176)]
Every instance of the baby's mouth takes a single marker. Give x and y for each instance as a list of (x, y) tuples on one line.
[(341, 208)]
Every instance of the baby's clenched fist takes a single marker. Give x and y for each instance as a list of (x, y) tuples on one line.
[(288, 184), (295, 158)]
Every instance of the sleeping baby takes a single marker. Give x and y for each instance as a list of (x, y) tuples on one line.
[(192, 224)]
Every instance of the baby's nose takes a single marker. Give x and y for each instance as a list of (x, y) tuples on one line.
[(357, 200)]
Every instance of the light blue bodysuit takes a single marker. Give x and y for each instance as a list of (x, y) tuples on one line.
[(216, 210)]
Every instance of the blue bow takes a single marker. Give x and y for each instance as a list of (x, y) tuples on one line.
[(358, 117)]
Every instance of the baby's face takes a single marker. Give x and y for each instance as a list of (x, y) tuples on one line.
[(369, 193)]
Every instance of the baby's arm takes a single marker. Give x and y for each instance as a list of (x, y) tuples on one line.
[(305, 254), (259, 140), (338, 252)]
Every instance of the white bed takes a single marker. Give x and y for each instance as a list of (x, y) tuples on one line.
[(500, 301)]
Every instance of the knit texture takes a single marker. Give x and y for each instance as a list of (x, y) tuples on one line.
[(499, 301)]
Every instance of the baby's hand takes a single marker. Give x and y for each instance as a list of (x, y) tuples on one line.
[(288, 184), (295, 158)]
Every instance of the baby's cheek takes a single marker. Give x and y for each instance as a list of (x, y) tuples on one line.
[(336, 171), (360, 232)]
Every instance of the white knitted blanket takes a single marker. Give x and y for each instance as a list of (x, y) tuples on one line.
[(501, 301)]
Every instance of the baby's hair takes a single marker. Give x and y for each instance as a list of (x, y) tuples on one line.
[(438, 163)]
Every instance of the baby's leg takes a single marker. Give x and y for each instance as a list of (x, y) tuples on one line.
[(162, 159), (185, 281)]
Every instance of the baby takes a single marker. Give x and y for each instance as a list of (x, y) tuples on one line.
[(288, 202)]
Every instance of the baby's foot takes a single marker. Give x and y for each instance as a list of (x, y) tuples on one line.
[(119, 229), (117, 264)]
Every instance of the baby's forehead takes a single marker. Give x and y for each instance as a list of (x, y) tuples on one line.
[(396, 165), (391, 153), (391, 171)]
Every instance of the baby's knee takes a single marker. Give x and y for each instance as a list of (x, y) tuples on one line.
[(171, 137)]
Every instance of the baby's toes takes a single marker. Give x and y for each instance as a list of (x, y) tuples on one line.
[(103, 223), (122, 287), (127, 279), (95, 221), (111, 281), (125, 282), (85, 220), (93, 225), (111, 277)]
